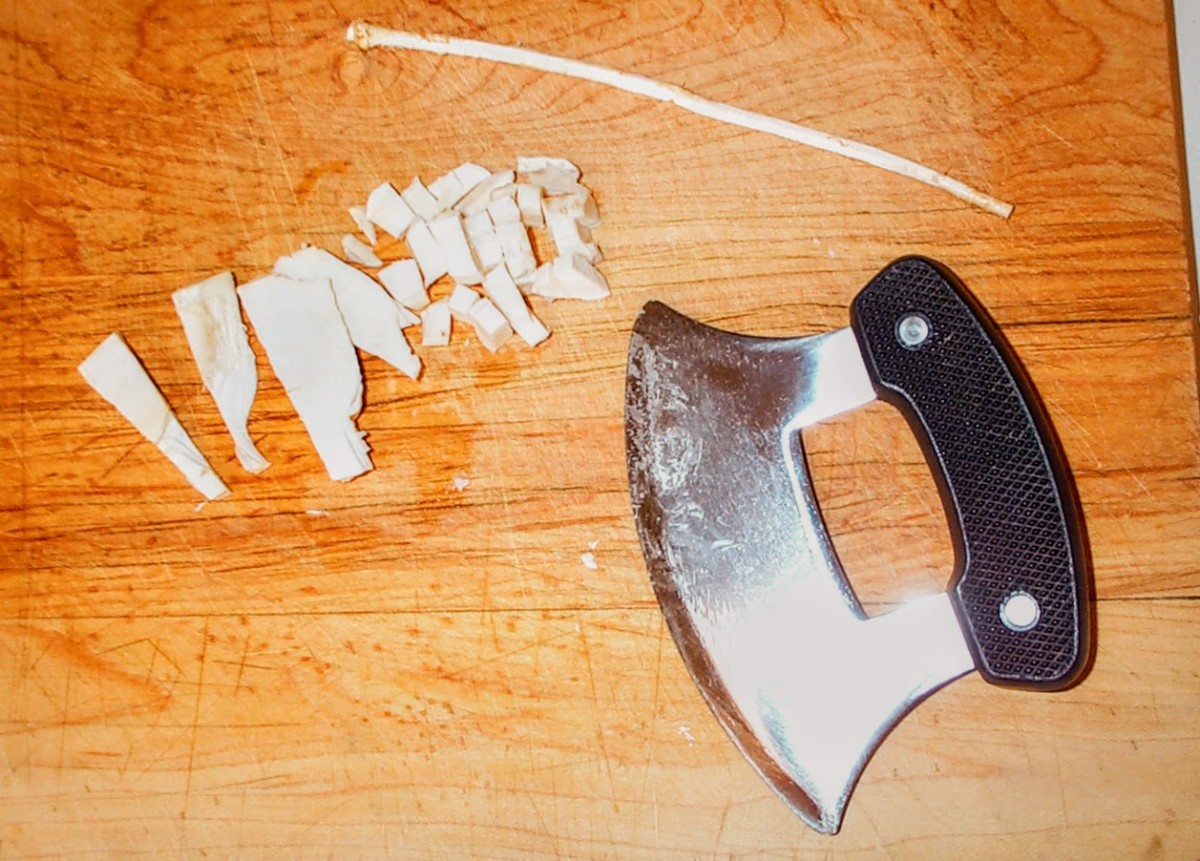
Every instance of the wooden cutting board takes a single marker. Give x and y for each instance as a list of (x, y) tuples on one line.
[(396, 668)]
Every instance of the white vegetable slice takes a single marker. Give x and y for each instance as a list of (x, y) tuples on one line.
[(447, 229), (435, 324), (479, 197), (570, 277), (403, 280), (117, 376), (368, 36), (309, 349), (484, 241), (503, 291), (359, 214), (359, 252), (447, 190), (461, 300), (568, 235), (491, 327), (426, 251), (578, 204), (517, 251), (471, 174), (373, 318), (504, 210), (556, 175), (529, 202), (387, 208), (420, 200), (212, 322)]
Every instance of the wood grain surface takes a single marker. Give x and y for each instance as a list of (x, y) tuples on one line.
[(394, 668)]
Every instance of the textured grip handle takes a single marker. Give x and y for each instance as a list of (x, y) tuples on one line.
[(1021, 586)]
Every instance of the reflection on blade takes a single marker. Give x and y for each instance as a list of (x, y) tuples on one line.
[(741, 563)]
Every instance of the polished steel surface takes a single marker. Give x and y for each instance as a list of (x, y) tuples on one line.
[(745, 572)]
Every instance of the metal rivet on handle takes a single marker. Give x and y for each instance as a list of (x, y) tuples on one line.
[(913, 330), (1019, 611)]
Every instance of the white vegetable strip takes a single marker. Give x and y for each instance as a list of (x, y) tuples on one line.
[(503, 291), (447, 190), (359, 214), (403, 280), (212, 322), (420, 199), (484, 241), (309, 349), (529, 201), (517, 251), (116, 374), (569, 277), (368, 36), (479, 197), (373, 318), (456, 251)]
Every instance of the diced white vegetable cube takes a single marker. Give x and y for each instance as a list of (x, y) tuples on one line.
[(117, 376), (570, 277), (435, 324), (447, 229), (359, 252), (568, 235), (529, 202), (503, 210), (373, 318), (503, 291), (471, 174), (426, 251), (386, 208), (359, 214), (577, 204), (482, 236), (403, 280), (461, 300), (552, 174), (447, 190), (479, 197), (307, 344), (420, 200), (517, 250), (491, 327), (212, 322)]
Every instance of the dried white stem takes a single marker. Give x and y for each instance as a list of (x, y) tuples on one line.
[(370, 36)]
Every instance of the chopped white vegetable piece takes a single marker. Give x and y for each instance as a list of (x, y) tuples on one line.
[(435, 324), (387, 208), (460, 482), (426, 251), (420, 200), (578, 204), (471, 174), (589, 561), (556, 175), (479, 197), (212, 322), (374, 319), (503, 291), (568, 235), (116, 374), (462, 299), (368, 36), (484, 241), (309, 349), (529, 202), (403, 280), (491, 327), (518, 252), (447, 190), (447, 229), (359, 214), (570, 277), (503, 210), (359, 252)]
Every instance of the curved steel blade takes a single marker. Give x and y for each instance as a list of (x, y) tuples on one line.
[(751, 589)]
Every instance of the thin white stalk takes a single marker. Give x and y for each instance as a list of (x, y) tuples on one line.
[(370, 36)]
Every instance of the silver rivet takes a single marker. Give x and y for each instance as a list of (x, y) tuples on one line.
[(1019, 611), (913, 330)]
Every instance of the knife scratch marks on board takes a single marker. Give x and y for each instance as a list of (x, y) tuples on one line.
[(587, 659), (195, 730), (542, 641), (266, 113)]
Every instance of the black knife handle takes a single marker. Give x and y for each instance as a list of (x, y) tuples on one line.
[(1021, 581)]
